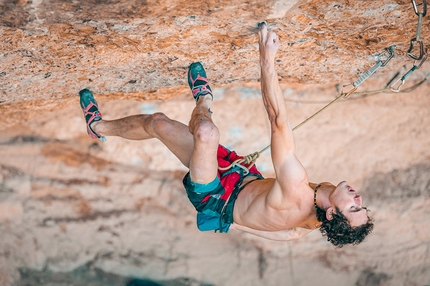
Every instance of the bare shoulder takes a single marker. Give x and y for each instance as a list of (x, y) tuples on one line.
[(290, 194)]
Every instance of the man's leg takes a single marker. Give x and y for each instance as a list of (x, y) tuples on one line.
[(175, 135), (203, 163), (195, 145)]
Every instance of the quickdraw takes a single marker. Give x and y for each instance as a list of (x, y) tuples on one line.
[(417, 39)]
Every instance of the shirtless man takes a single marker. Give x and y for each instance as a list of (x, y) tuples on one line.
[(282, 208)]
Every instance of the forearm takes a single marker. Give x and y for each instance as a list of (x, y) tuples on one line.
[(272, 94), (282, 235), (282, 140), (273, 100)]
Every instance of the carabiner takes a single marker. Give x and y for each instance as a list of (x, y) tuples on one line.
[(421, 49), (394, 89), (416, 8), (424, 58), (403, 79), (390, 51), (406, 75)]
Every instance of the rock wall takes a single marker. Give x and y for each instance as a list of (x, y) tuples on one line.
[(74, 211), (141, 49)]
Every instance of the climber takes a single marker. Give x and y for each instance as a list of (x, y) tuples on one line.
[(282, 208)]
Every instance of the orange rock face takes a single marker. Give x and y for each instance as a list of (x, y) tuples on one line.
[(141, 49)]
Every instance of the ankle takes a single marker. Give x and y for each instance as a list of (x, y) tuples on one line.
[(205, 99), (97, 127)]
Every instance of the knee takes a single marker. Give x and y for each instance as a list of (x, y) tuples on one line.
[(159, 122), (206, 132)]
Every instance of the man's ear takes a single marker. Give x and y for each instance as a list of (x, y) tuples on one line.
[(329, 213)]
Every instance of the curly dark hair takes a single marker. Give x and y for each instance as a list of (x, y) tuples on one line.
[(338, 230)]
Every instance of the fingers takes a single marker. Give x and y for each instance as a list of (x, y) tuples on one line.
[(262, 32), (272, 37), (265, 35)]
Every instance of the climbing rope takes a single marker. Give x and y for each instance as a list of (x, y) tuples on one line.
[(368, 93), (252, 158), (382, 60)]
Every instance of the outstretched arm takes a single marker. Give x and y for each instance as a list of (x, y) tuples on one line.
[(282, 235), (290, 174)]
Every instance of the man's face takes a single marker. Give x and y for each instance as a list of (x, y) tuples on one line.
[(349, 203)]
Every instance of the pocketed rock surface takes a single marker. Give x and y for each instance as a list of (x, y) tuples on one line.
[(75, 211)]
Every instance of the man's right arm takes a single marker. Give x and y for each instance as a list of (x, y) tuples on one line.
[(290, 173)]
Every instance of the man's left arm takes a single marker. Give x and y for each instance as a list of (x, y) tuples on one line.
[(282, 235)]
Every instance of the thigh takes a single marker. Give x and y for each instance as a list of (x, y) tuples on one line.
[(176, 137), (204, 163), (198, 151)]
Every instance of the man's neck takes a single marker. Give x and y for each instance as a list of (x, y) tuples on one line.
[(321, 195)]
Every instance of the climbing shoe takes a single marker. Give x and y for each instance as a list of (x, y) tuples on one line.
[(91, 112), (197, 81)]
